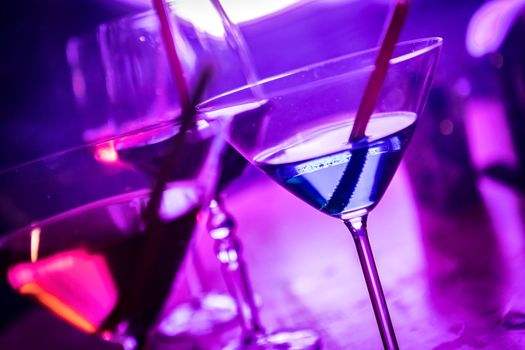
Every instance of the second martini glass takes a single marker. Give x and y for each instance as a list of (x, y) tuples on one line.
[(123, 86), (122, 82), (301, 138)]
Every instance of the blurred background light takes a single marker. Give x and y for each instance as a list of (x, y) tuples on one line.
[(490, 24)]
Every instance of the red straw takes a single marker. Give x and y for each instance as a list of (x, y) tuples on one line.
[(171, 53), (375, 82)]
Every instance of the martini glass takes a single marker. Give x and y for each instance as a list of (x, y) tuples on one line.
[(123, 85), (95, 240), (298, 135)]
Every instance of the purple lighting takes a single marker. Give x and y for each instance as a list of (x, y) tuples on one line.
[(490, 24), (448, 235)]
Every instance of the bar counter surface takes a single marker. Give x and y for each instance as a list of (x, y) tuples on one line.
[(448, 281)]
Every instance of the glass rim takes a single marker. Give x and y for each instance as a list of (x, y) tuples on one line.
[(47, 157), (433, 43), (90, 145), (131, 17)]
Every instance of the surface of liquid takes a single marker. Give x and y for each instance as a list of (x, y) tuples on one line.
[(146, 150), (337, 177)]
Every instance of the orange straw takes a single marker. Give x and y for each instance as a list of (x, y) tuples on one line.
[(171, 53), (377, 78)]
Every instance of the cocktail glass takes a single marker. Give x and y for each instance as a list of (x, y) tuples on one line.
[(298, 134), (85, 236), (122, 83)]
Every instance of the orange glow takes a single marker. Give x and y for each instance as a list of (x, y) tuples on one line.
[(76, 285), (57, 306), (35, 243), (106, 152)]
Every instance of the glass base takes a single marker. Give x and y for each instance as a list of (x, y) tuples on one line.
[(203, 316), (280, 340), (514, 320)]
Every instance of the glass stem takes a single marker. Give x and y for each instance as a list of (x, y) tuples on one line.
[(221, 227), (357, 227)]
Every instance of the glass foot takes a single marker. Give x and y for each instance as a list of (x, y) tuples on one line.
[(206, 315), (514, 320), (281, 340)]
